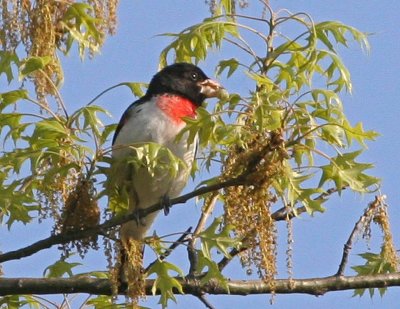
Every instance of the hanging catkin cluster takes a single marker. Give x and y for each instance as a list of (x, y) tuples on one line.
[(38, 26), (81, 210), (248, 207), (381, 217), (55, 183)]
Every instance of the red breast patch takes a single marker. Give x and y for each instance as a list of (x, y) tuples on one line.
[(176, 107)]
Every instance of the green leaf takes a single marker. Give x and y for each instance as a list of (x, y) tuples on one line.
[(358, 134), (49, 129), (164, 283), (7, 59), (262, 81), (82, 27), (337, 66), (19, 212), (292, 183), (267, 117), (105, 301), (91, 120), (343, 170), (339, 31), (156, 158), (136, 88), (107, 131), (19, 301), (332, 134), (32, 64), (13, 122), (11, 97), (374, 264), (225, 7), (15, 204), (92, 123), (212, 273), (217, 235), (59, 269), (232, 65), (195, 41)]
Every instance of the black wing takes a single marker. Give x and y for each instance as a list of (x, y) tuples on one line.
[(125, 116)]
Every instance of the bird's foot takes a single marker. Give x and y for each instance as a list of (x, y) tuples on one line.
[(140, 221), (166, 204), (137, 217)]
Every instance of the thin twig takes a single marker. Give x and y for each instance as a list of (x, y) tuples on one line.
[(171, 248), (85, 301), (204, 216), (199, 228), (66, 301), (234, 252), (204, 300), (282, 213), (44, 107), (175, 244), (42, 300), (246, 49), (105, 91), (247, 17), (356, 230), (57, 93)]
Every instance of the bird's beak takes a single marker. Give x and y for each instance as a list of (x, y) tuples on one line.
[(211, 89)]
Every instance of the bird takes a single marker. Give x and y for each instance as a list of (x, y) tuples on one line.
[(175, 92)]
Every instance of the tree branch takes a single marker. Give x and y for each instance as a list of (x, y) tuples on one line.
[(358, 227), (312, 286), (283, 214), (113, 222), (204, 300)]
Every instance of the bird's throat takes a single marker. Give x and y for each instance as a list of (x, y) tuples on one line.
[(176, 107)]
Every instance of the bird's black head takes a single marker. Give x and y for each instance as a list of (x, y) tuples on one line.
[(186, 80)]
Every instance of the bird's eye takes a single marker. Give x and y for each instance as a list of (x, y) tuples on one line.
[(194, 76)]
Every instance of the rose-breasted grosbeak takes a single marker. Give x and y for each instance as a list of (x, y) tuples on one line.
[(174, 92)]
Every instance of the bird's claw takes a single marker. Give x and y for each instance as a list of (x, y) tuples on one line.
[(166, 203), (137, 218)]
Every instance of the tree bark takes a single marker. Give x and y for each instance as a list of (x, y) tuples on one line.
[(312, 286)]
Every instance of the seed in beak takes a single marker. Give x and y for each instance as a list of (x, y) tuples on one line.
[(211, 89)]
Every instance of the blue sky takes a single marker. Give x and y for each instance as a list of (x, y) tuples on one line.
[(132, 55)]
